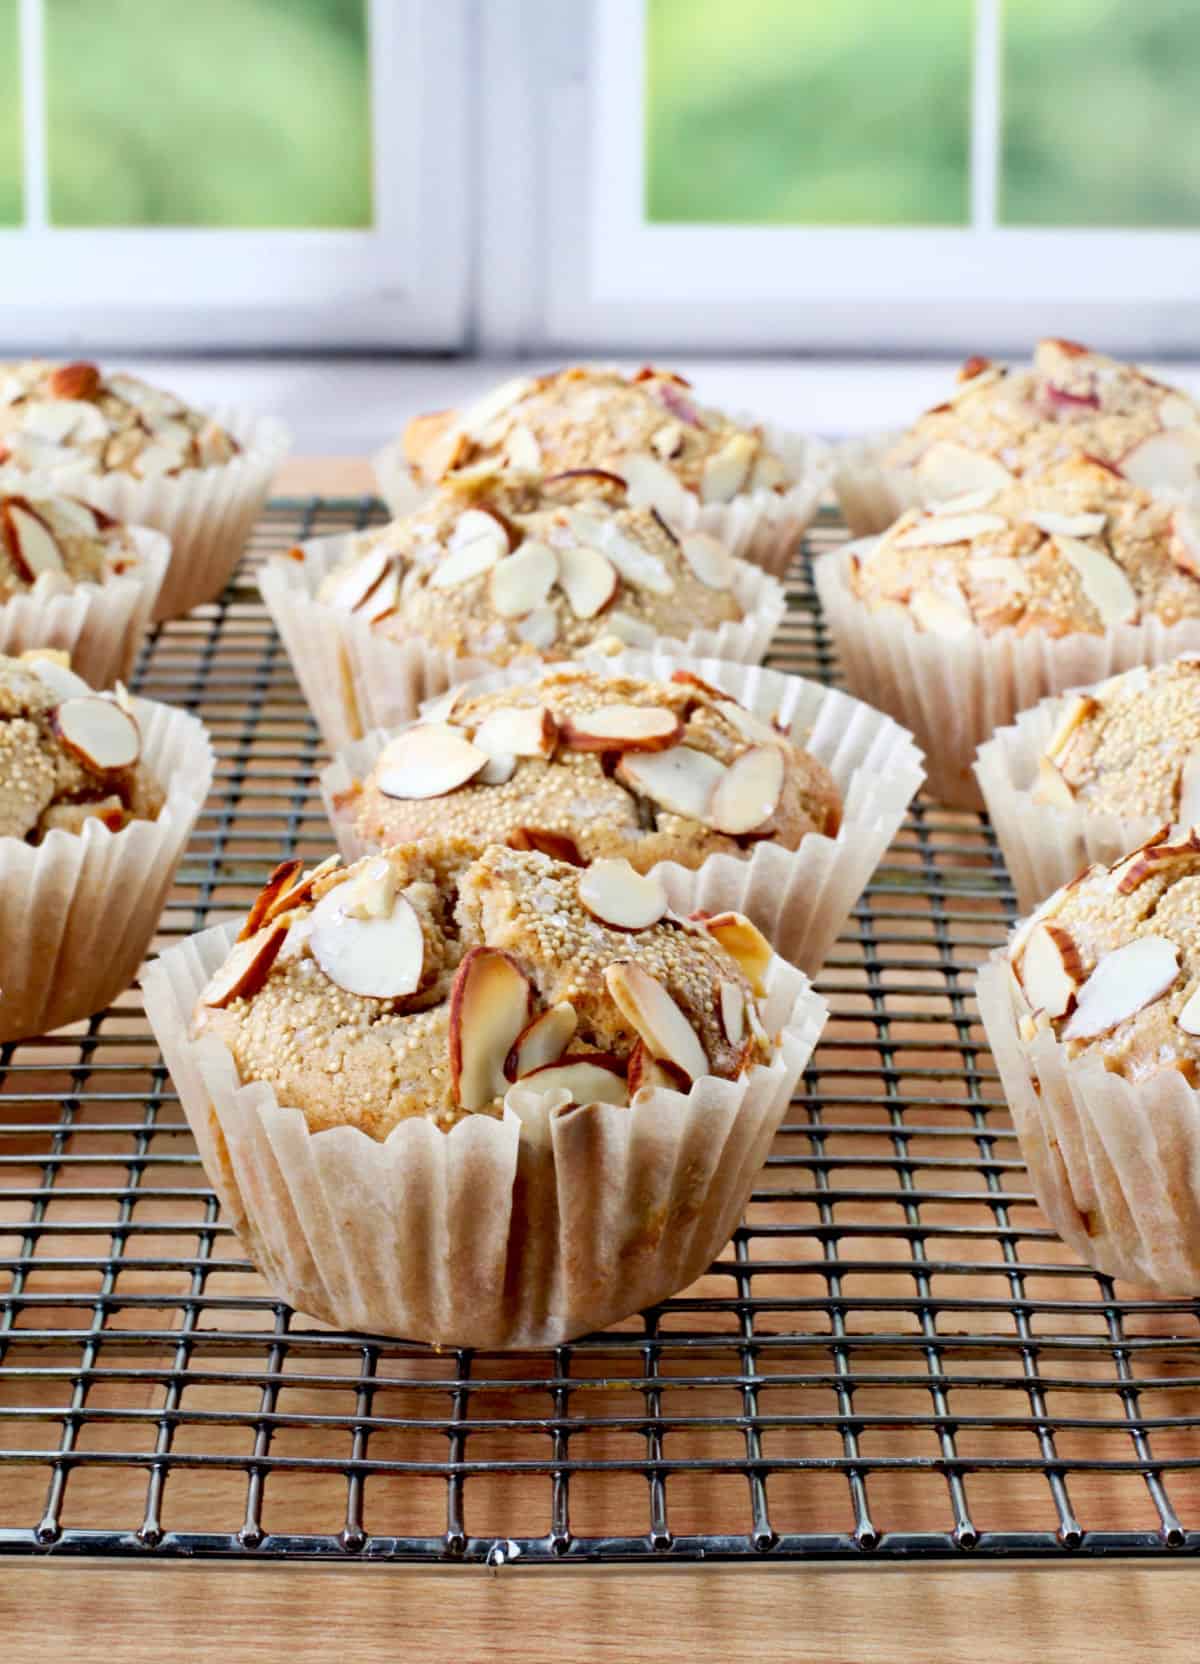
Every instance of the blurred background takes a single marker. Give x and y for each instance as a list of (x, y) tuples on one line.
[(504, 178)]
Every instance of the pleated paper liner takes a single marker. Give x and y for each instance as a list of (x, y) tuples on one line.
[(79, 910), (101, 626), (799, 899), (955, 692), (356, 679), (763, 527), (517, 1232), (1115, 1163), (871, 495)]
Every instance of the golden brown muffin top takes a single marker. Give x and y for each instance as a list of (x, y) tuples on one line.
[(584, 765), (1000, 423), (500, 568), (647, 427), (1076, 550), (67, 755), (77, 418), (422, 982), (53, 542), (1111, 962)]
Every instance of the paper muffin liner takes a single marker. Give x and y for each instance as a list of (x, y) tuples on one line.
[(207, 513), (522, 1231), (1044, 845), (763, 527), (79, 910), (799, 899), (871, 495), (101, 626), (955, 692), (356, 679), (1115, 1163)]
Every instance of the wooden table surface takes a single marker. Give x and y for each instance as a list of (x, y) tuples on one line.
[(926, 1613)]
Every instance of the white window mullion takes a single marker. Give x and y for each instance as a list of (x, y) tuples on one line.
[(985, 115), (33, 114)]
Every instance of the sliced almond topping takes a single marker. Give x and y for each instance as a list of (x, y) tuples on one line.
[(943, 612), (748, 792), (379, 955), (1189, 1016), (1051, 786), (947, 470), (966, 503), (689, 679), (427, 760), (247, 967), (634, 632), (744, 943), (371, 892), (937, 530), (441, 709), (98, 732), (647, 1006), (590, 1078), (522, 581), (1148, 861), (680, 780), (539, 629), (73, 381), (708, 559), (557, 845), (1163, 461), (749, 725), (1185, 540), (522, 450), (733, 1012), (30, 543), (490, 999), (649, 481), (361, 580), (1054, 524), (542, 1041), (1104, 583), (498, 770), (382, 599), (478, 417), (1051, 969), (617, 894), (653, 1072), (636, 564), (521, 731), (478, 542), (1123, 982), (1189, 788), (587, 578), (1078, 707), (59, 678), (624, 728), (1175, 411), (301, 894), (724, 474), (280, 882), (668, 441)]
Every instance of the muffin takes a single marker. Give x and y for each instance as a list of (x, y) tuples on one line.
[(497, 568), (468, 1100), (1093, 1012), (145, 456), (728, 782), (98, 796), (1086, 776), (999, 424), (755, 489), (73, 577), (959, 616)]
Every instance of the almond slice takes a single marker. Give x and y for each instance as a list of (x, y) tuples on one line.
[(680, 780), (966, 503), (1051, 786), (521, 581), (539, 629), (1176, 411), (647, 1006), (633, 632), (1104, 583), (1054, 524), (650, 483), (246, 969), (379, 955), (709, 560), (478, 417), (439, 711), (1189, 1015), (1051, 969), (519, 731), (1164, 461), (490, 999), (557, 845), (941, 612), (744, 943), (587, 578), (59, 678), (1124, 981), (542, 1041), (383, 599), (361, 580), (98, 732), (724, 474), (370, 892), (301, 894), (732, 1006), (1149, 860), (476, 545), (522, 450), (73, 381), (427, 761), (280, 882), (747, 794), (498, 770), (947, 469), (1189, 789), (748, 725), (1077, 709), (637, 565), (590, 1078), (617, 894), (30, 543), (689, 679), (667, 441), (624, 728), (655, 1073), (939, 530)]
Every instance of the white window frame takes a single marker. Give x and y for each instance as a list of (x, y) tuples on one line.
[(564, 225), (404, 282)]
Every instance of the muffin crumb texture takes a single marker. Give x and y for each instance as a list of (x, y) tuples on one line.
[(423, 982), (67, 755), (1111, 962)]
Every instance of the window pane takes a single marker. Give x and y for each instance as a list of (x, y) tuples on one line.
[(785, 112), (210, 113), (10, 116), (1101, 115)]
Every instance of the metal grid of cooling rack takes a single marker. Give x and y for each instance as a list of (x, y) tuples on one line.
[(894, 1357)]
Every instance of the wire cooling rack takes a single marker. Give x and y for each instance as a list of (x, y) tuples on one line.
[(894, 1357)]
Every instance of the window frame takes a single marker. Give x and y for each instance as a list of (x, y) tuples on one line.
[(402, 283)]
